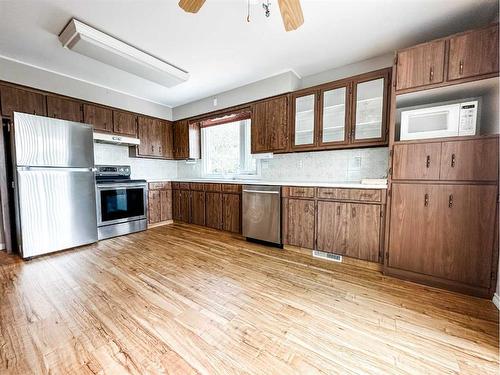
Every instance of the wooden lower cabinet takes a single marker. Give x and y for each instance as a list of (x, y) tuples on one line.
[(350, 229), (159, 203), (231, 212), (213, 210), (299, 222), (443, 231), (198, 207), (181, 205)]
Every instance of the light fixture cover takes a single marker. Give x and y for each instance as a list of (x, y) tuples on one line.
[(93, 43)]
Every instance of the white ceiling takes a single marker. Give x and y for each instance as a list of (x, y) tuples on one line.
[(219, 49)]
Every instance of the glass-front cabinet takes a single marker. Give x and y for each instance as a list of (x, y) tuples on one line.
[(305, 120), (334, 115), (351, 112), (369, 109)]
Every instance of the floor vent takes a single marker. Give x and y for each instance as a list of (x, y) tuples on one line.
[(327, 256)]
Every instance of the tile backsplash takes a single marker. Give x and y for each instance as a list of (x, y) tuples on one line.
[(336, 165), (149, 169)]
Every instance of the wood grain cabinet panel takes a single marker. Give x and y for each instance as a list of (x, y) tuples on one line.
[(181, 205), (421, 161), (332, 227), (231, 216), (125, 123), (421, 65), (186, 140), (299, 192), (363, 231), (154, 206), (300, 219), (198, 207), (213, 210), (99, 117), (64, 109), (166, 204), (443, 231), (167, 140), (17, 100), (149, 131), (473, 54), (269, 130), (471, 160)]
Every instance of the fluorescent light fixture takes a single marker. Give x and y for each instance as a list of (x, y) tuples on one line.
[(93, 43)]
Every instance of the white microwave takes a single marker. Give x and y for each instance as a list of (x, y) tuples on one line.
[(450, 120)]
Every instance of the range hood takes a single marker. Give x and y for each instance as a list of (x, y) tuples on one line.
[(116, 139)]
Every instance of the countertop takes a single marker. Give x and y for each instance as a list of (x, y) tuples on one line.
[(334, 184)]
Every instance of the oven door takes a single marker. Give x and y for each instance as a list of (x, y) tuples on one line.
[(119, 203)]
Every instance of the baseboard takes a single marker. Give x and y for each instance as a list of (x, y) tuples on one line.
[(160, 224), (496, 300)]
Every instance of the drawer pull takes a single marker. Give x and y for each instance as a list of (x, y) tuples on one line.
[(450, 201), (338, 210), (453, 160), (426, 200), (428, 161), (431, 74), (461, 67), (354, 212)]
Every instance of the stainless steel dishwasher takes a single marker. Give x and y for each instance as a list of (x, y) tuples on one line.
[(262, 213)]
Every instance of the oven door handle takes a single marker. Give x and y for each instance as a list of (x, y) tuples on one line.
[(120, 186)]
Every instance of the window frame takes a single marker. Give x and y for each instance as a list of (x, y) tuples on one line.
[(245, 136)]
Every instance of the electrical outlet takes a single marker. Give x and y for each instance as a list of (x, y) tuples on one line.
[(300, 164)]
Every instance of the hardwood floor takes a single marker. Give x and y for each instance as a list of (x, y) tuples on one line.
[(181, 299)]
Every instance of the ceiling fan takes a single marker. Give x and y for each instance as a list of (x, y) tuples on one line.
[(291, 11)]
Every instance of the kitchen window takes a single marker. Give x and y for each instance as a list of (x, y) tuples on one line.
[(225, 147)]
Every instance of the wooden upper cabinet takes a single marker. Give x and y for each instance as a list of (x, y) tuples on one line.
[(146, 132), (64, 109), (101, 118), (369, 108), (167, 131), (17, 100), (270, 125), (474, 53), (186, 138), (125, 123), (470, 160), (304, 120), (421, 65), (420, 161), (335, 106)]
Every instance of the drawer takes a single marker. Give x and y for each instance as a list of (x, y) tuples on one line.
[(160, 185), (363, 195), (231, 188), (196, 186), (212, 187), (299, 192), (180, 185)]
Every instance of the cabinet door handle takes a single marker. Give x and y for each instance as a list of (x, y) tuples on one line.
[(453, 160), (431, 74), (152, 148), (353, 212), (338, 210), (428, 161), (461, 67), (426, 200), (450, 201)]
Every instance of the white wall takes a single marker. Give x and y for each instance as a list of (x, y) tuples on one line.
[(149, 169), (28, 75), (278, 84), (275, 85)]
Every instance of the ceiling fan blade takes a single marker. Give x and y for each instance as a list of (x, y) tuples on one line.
[(191, 6), (291, 12)]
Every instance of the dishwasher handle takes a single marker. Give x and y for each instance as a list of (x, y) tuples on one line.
[(261, 191)]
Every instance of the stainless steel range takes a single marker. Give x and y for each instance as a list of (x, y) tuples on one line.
[(121, 201)]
